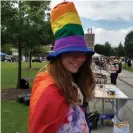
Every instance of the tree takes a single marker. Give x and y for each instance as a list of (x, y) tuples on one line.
[(99, 48), (120, 50), (107, 49), (6, 48), (8, 15), (24, 25), (114, 51), (128, 44)]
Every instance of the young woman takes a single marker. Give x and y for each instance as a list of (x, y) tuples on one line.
[(59, 91)]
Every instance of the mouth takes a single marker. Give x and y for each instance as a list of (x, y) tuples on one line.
[(75, 65)]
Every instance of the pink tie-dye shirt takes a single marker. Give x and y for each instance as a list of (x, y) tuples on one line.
[(76, 121)]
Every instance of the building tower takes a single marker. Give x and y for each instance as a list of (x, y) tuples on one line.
[(90, 38)]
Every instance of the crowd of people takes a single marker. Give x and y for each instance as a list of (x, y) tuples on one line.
[(111, 64)]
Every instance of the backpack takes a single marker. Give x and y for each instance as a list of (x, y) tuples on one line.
[(93, 118), (24, 84), (120, 67)]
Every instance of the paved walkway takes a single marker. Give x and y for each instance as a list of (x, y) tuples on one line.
[(126, 77), (124, 83)]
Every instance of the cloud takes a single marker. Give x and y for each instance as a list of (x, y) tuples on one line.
[(112, 36), (102, 10)]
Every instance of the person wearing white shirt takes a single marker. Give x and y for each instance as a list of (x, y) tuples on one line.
[(114, 70)]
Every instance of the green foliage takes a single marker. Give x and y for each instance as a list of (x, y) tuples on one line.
[(8, 23), (128, 44), (25, 25), (25, 22), (103, 49), (7, 48), (121, 50), (99, 48), (107, 49)]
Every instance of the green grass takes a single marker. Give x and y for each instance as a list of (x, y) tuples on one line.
[(14, 117), (127, 68), (9, 73)]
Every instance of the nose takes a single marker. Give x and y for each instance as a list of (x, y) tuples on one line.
[(81, 58)]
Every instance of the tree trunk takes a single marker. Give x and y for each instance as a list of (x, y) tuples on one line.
[(29, 59), (19, 64), (19, 46)]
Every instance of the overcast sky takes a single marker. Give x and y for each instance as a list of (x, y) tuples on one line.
[(110, 20)]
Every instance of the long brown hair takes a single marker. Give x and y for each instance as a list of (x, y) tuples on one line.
[(63, 79)]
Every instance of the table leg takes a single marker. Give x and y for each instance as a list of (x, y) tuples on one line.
[(88, 108), (117, 108), (103, 105)]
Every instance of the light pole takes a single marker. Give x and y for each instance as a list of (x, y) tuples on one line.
[(125, 55), (125, 58)]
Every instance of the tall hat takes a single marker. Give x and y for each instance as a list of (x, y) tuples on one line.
[(68, 31)]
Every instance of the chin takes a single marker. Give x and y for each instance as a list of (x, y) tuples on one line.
[(74, 71)]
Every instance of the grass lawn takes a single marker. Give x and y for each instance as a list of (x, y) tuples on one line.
[(127, 68), (9, 72), (14, 116)]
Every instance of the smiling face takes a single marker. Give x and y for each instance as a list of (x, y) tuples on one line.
[(72, 61)]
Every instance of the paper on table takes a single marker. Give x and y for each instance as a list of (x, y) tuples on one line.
[(121, 127)]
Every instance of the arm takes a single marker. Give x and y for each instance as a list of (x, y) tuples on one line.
[(116, 67)]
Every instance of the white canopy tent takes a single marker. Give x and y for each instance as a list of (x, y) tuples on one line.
[(97, 55)]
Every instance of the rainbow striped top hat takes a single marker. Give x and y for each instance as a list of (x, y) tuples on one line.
[(68, 31)]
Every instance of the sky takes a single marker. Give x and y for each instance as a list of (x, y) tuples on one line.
[(109, 20)]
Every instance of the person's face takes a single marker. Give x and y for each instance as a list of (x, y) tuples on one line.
[(113, 59), (72, 61)]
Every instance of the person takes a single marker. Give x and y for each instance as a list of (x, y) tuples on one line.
[(114, 70), (129, 64), (59, 92), (120, 60)]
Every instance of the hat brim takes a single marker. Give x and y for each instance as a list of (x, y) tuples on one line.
[(54, 54)]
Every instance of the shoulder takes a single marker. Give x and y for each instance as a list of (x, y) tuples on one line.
[(52, 100), (45, 93), (52, 94)]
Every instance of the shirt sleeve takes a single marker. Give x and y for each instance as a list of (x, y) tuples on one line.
[(49, 113), (117, 67)]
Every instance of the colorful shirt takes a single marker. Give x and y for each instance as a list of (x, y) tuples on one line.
[(77, 122)]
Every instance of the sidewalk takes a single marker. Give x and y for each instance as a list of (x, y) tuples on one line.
[(127, 77), (124, 81)]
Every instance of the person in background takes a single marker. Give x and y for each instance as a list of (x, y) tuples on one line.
[(132, 62), (59, 92), (114, 68), (129, 64), (120, 60)]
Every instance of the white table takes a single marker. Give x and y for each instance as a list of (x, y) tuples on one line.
[(119, 96)]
